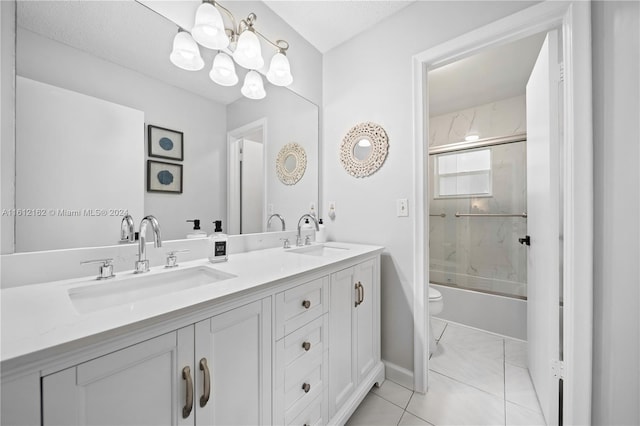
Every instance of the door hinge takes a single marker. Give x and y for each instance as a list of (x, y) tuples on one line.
[(557, 368), (561, 66)]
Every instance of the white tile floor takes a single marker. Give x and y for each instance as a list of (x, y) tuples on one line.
[(476, 378)]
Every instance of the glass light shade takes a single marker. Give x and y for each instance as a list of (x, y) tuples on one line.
[(208, 29), (279, 70), (253, 87), (223, 71), (248, 53), (185, 53)]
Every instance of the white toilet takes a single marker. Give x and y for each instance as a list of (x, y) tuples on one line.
[(435, 307)]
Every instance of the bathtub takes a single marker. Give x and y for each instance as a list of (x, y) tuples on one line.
[(491, 312)]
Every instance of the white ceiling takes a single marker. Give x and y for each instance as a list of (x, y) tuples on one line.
[(494, 74), (326, 24)]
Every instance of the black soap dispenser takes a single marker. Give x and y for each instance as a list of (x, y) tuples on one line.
[(196, 232)]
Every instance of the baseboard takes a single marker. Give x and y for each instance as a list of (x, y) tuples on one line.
[(398, 374)]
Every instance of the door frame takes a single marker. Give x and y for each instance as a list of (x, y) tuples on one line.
[(233, 189), (574, 20)]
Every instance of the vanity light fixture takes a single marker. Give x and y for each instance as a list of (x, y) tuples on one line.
[(237, 41), (472, 137)]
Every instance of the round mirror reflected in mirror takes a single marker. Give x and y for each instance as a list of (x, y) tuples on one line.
[(362, 150), (290, 163)]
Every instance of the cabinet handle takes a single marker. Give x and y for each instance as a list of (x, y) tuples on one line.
[(306, 387), (186, 375), (357, 295), (362, 293), (306, 346), (207, 382), (306, 304)]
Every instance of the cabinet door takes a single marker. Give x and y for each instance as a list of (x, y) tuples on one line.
[(365, 275), (138, 385), (342, 349), (237, 348)]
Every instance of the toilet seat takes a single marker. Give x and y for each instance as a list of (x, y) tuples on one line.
[(434, 295)]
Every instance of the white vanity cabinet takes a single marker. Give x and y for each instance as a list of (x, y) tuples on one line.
[(354, 332), (215, 372)]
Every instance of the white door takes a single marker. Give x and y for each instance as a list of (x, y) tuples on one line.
[(543, 205), (233, 386), (139, 385)]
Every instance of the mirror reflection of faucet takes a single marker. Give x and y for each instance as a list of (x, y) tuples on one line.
[(127, 230), (279, 217), (299, 237), (142, 264)]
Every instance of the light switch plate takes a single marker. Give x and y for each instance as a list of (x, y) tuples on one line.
[(402, 206)]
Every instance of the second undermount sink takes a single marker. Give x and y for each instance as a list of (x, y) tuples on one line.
[(319, 250), (134, 288)]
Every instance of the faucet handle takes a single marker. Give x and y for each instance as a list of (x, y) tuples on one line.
[(172, 259), (307, 240), (106, 268), (286, 243)]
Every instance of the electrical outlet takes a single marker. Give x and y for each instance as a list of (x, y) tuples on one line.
[(332, 209), (312, 207), (402, 206)]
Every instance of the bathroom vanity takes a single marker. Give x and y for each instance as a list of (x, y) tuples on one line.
[(273, 336)]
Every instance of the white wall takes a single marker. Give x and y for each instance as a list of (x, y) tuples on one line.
[(202, 121), (368, 78), (70, 167), (7, 118), (616, 90)]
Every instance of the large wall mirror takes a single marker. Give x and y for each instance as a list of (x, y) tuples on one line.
[(90, 76)]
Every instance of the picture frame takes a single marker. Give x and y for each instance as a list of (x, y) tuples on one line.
[(165, 143), (164, 177)]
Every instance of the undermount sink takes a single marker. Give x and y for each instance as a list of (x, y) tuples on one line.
[(319, 250), (121, 291)]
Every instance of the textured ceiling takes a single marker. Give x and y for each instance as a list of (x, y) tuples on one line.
[(498, 73), (326, 24)]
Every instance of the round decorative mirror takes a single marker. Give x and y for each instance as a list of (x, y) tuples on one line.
[(291, 163), (364, 149)]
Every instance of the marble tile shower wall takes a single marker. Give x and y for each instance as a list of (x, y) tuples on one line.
[(501, 118), (482, 252)]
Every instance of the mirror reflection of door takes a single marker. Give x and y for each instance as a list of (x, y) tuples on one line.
[(251, 186)]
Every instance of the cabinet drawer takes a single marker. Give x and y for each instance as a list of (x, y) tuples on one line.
[(304, 342), (295, 397), (299, 305), (310, 416)]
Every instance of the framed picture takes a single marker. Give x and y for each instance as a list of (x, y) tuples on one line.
[(164, 177), (165, 143)]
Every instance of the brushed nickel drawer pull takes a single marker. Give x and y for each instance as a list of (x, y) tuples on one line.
[(186, 375), (362, 293), (306, 387), (357, 295), (207, 382), (306, 304), (306, 346)]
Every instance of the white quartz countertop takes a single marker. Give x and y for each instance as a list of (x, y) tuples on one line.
[(42, 316)]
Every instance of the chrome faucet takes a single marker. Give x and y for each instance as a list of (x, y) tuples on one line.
[(279, 217), (142, 264), (306, 215), (127, 230)]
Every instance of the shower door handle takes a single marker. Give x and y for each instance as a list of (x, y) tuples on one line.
[(526, 240)]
